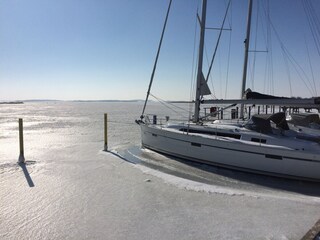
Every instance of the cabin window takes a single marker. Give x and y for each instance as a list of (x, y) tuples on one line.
[(258, 140), (196, 144), (273, 156)]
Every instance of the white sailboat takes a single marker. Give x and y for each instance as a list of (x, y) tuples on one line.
[(265, 144)]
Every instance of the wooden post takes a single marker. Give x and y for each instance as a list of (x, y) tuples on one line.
[(21, 156), (106, 131)]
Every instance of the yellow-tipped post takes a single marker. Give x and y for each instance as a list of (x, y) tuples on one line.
[(105, 132), (21, 156)]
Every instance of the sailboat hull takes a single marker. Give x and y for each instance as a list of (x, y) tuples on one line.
[(229, 153)]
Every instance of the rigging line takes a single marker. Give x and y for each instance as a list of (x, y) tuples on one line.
[(270, 59), (255, 47), (288, 72), (311, 69), (265, 33), (156, 61), (218, 41), (296, 66), (225, 29), (207, 59), (213, 95), (269, 56), (303, 75), (249, 69), (220, 73), (267, 41), (316, 25), (311, 24), (228, 65), (268, 70), (230, 17), (166, 104), (291, 59), (314, 15), (229, 51), (206, 55), (269, 44), (193, 63)]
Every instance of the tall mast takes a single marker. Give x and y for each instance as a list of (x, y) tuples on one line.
[(246, 53), (200, 60)]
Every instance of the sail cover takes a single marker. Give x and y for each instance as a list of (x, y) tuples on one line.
[(256, 95)]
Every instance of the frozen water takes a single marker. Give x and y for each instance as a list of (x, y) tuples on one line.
[(71, 189)]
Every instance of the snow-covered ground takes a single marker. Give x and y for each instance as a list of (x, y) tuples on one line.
[(71, 189)]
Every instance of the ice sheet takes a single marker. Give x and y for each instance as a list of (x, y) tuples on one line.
[(80, 192)]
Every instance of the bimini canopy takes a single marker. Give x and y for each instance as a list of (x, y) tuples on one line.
[(261, 122)]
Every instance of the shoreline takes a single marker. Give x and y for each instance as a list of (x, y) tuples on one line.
[(17, 102)]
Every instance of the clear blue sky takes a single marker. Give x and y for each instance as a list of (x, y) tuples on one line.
[(103, 49)]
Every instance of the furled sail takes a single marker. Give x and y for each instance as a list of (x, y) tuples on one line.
[(204, 89)]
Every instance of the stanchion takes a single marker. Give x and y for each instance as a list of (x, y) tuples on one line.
[(21, 156)]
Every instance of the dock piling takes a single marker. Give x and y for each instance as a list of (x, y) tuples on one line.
[(105, 132), (21, 156)]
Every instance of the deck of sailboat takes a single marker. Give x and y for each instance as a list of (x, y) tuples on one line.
[(237, 133)]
